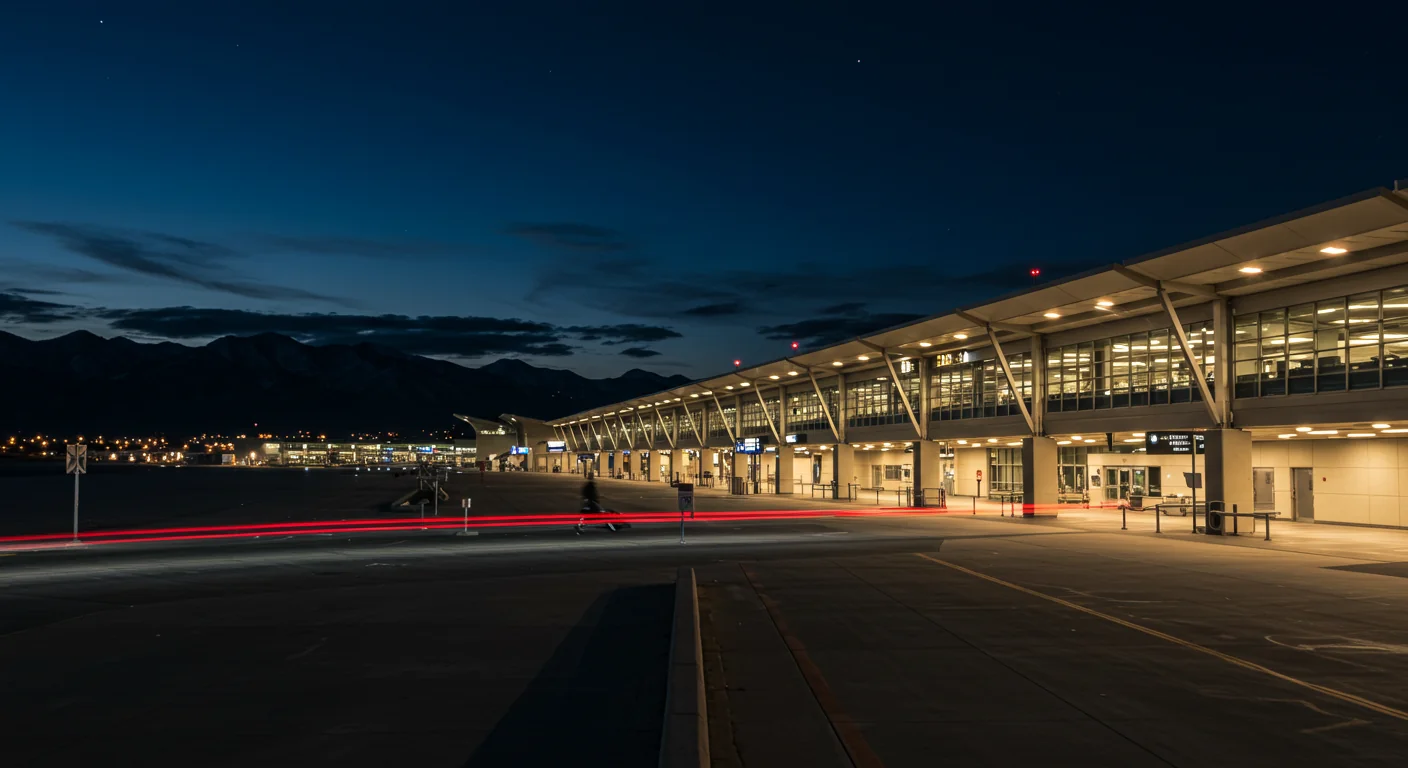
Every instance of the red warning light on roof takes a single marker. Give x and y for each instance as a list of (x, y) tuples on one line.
[(794, 345), (1035, 272), (737, 363)]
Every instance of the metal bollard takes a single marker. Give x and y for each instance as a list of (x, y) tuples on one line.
[(1268, 528), (1158, 524), (1124, 518)]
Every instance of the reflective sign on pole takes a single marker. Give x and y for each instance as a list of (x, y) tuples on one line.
[(76, 460)]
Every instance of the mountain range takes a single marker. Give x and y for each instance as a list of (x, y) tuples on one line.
[(82, 383)]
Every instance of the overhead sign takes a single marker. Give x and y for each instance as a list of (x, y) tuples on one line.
[(76, 459), (518, 450), (557, 446), (1173, 443), (798, 438), (749, 445)]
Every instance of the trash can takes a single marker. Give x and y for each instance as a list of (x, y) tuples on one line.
[(1213, 520), (740, 485)]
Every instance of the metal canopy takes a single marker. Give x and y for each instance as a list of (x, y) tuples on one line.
[(1371, 226)]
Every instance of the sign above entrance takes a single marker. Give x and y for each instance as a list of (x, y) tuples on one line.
[(749, 445), (799, 438), (1173, 443), (557, 446)]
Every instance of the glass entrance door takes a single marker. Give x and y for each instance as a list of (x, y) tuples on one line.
[(1122, 482)]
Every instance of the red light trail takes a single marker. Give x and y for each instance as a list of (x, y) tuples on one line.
[(378, 525)]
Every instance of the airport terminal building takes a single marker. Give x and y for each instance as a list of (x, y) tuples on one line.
[(1283, 345)]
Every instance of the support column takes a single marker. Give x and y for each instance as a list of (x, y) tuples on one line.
[(740, 469), (1228, 469), (618, 463), (1040, 477), (928, 473), (784, 475), (705, 464), (1038, 409), (645, 460), (662, 465), (843, 468)]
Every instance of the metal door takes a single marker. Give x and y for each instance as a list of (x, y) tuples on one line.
[(1263, 488), (877, 476), (1303, 493)]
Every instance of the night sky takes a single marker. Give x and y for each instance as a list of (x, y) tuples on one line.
[(606, 185)]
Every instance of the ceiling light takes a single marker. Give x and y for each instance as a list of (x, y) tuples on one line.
[(1134, 440), (1394, 431), (837, 363), (888, 445), (1075, 437), (1250, 270), (962, 442), (992, 439), (1284, 437), (696, 394), (925, 344), (1019, 442), (1088, 440), (728, 386), (746, 384), (883, 378), (1324, 431), (710, 392), (1106, 303), (1380, 426), (1334, 250), (1051, 315), (791, 373), (1303, 429), (1138, 434), (1063, 442), (960, 336), (774, 377), (863, 358), (1362, 434)]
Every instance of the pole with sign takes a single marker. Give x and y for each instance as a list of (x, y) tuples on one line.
[(686, 498), (1175, 443), (464, 503), (75, 463)]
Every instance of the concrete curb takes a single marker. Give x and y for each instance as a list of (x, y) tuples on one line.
[(684, 738)]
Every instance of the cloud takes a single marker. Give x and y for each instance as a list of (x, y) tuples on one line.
[(822, 331), (637, 287), (168, 257), (15, 307), (332, 245), (445, 335), (717, 309), (639, 352), (570, 236), (623, 333)]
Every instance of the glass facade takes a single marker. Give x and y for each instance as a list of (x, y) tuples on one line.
[(1355, 342), (718, 427), (804, 410), (1005, 469), (974, 390), (875, 402), (754, 422), (1129, 370)]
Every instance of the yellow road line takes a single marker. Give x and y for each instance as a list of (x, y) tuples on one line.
[(1350, 698)]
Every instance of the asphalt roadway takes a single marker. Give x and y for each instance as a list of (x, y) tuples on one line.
[(933, 639)]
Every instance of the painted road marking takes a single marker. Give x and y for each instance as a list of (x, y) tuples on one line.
[(1350, 698), (852, 739)]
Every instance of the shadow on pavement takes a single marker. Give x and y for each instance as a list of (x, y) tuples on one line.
[(599, 699)]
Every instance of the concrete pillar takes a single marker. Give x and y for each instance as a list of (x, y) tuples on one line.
[(785, 472), (1040, 480), (1223, 345), (843, 468), (1038, 410), (1228, 469), (662, 466), (704, 464), (928, 472), (618, 463), (645, 459), (740, 468)]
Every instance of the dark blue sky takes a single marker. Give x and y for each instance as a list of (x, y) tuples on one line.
[(605, 185)]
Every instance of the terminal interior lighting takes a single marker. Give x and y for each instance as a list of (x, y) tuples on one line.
[(1285, 437), (1334, 250), (1250, 270), (1051, 315), (960, 336), (1105, 303), (1303, 429), (774, 377), (1362, 434), (1394, 431), (925, 344), (791, 373), (1381, 426), (862, 358), (837, 363), (1324, 431)]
